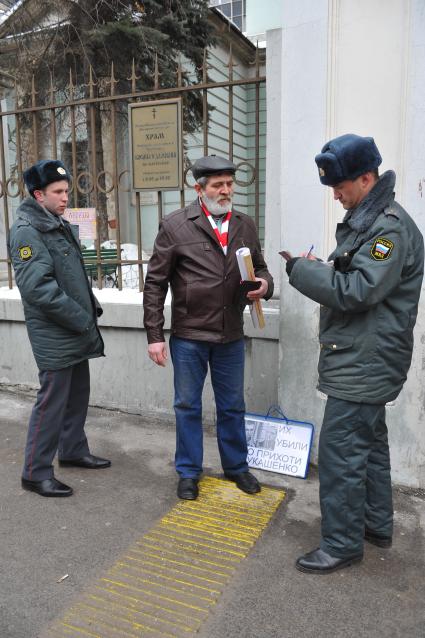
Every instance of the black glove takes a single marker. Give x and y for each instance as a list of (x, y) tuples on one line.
[(343, 262), (290, 264)]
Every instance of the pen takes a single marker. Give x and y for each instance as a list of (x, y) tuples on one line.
[(309, 252)]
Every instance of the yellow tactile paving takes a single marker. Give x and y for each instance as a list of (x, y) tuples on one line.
[(167, 583)]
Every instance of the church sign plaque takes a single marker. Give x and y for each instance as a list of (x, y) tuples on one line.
[(156, 150)]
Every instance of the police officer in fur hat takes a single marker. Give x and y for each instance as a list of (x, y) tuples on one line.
[(368, 291), (61, 318)]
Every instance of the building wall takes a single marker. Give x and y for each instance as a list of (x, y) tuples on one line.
[(126, 379), (341, 66)]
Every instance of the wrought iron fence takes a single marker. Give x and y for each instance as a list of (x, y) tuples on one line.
[(64, 126)]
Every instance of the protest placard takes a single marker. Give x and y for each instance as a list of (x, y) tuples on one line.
[(278, 445)]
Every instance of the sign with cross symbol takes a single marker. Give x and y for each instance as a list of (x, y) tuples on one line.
[(156, 149)]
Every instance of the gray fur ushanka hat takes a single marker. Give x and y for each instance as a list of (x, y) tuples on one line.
[(347, 157)]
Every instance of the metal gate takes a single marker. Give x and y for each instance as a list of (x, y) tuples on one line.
[(64, 127)]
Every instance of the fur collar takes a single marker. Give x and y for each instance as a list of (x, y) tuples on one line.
[(38, 216), (380, 197)]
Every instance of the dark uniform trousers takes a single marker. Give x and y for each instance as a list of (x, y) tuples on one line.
[(355, 476), (57, 420)]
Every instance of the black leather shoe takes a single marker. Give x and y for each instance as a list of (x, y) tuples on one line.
[(377, 539), (245, 482), (48, 487), (90, 462), (188, 489), (320, 562)]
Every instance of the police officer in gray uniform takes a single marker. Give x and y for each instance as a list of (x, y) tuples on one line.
[(369, 291), (61, 318)]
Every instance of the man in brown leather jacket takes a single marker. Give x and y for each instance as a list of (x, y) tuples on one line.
[(194, 253)]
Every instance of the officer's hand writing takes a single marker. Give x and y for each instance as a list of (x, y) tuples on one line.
[(158, 353), (260, 292), (309, 256)]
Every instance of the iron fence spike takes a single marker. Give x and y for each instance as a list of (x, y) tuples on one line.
[(133, 78), (33, 91)]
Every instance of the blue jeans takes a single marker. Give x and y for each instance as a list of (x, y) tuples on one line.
[(226, 361)]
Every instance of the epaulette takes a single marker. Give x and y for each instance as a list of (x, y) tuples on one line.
[(391, 211)]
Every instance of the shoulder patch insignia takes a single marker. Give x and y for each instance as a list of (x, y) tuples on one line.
[(381, 249), (25, 253)]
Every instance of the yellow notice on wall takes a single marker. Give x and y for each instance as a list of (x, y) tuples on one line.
[(85, 219)]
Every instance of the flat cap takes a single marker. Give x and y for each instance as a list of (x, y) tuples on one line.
[(347, 157), (212, 165), (43, 173)]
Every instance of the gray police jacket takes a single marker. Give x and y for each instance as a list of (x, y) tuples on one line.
[(59, 305), (369, 297)]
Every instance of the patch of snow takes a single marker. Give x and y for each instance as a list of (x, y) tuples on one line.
[(106, 295), (9, 293)]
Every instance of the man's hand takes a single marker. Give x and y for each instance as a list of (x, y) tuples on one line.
[(158, 353), (260, 292)]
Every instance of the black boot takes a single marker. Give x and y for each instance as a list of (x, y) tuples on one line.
[(320, 562)]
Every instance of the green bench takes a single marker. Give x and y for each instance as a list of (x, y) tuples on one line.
[(108, 266)]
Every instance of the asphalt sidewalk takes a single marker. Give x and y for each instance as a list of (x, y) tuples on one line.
[(42, 540)]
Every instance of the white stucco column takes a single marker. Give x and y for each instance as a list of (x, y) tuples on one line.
[(345, 67), (303, 63), (407, 418), (274, 156)]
